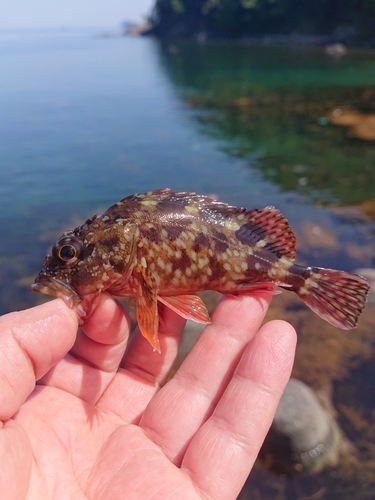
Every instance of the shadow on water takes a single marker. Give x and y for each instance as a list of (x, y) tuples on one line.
[(271, 106)]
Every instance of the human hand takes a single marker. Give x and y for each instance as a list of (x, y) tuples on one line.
[(101, 425)]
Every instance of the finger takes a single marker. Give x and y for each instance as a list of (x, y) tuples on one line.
[(179, 409), (103, 338), (94, 359), (222, 453), (31, 342), (144, 370)]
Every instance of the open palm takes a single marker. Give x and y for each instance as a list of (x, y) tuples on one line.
[(99, 424)]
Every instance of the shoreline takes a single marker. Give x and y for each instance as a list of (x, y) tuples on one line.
[(180, 33)]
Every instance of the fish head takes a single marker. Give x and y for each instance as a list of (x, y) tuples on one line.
[(63, 271), (87, 261)]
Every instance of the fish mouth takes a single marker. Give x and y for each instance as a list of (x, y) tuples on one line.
[(56, 288)]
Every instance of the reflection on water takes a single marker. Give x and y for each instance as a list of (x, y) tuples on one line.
[(274, 103), (87, 121)]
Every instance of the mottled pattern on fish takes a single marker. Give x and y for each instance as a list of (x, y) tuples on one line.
[(165, 246)]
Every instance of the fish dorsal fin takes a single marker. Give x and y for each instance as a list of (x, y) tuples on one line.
[(254, 226), (269, 226)]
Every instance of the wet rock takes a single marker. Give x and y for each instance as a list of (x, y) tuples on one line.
[(368, 207), (303, 435), (242, 101), (345, 116), (364, 130), (312, 235), (335, 49), (362, 126)]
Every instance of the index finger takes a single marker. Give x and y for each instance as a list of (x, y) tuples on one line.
[(31, 342)]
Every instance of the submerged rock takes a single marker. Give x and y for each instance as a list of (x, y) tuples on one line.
[(303, 436), (335, 49), (362, 126)]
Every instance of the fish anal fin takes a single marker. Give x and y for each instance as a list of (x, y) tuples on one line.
[(147, 308), (270, 227), (188, 306), (258, 289)]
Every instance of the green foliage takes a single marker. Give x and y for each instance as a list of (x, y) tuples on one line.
[(249, 4), (178, 6), (238, 18)]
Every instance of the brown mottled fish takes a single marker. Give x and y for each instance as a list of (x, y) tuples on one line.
[(165, 246)]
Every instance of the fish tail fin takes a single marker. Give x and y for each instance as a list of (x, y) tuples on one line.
[(337, 297)]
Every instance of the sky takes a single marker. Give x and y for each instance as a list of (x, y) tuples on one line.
[(26, 14)]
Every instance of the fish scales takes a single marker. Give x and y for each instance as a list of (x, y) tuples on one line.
[(164, 246)]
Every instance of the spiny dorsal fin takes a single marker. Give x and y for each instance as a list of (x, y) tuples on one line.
[(267, 225), (176, 202), (270, 226)]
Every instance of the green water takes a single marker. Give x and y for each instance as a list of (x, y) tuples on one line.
[(272, 103)]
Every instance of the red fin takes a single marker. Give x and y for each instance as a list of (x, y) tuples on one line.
[(336, 296), (188, 306), (270, 226), (147, 310)]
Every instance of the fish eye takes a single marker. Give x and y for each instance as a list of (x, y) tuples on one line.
[(67, 250)]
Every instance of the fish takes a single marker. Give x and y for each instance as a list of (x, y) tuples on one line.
[(165, 246)]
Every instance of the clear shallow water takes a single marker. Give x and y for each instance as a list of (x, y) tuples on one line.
[(86, 121)]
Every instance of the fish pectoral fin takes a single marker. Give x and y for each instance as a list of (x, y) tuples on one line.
[(147, 307), (188, 306)]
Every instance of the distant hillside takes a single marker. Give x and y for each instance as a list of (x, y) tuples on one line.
[(350, 21)]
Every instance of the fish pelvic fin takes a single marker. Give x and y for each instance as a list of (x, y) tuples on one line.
[(188, 306), (337, 297)]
